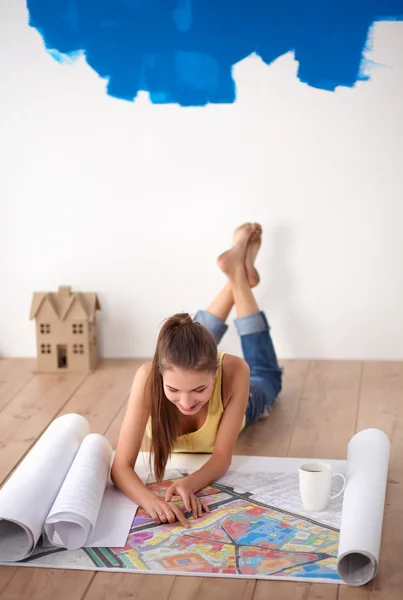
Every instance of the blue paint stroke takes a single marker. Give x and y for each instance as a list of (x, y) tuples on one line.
[(183, 51)]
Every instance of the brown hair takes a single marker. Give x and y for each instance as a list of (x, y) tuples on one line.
[(187, 345)]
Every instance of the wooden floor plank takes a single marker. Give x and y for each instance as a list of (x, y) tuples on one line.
[(117, 586), (296, 591), (47, 584), (324, 423), (28, 414), (103, 393), (14, 375), (271, 436), (355, 593), (209, 588), (327, 410), (6, 573)]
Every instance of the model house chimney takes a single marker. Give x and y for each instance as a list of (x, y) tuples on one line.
[(64, 290)]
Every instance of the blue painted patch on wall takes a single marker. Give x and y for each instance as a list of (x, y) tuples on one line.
[(183, 51)]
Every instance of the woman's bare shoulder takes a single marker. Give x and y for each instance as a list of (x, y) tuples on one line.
[(141, 377), (231, 364), (233, 367), (144, 371)]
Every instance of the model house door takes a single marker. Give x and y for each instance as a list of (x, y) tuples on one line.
[(62, 357)]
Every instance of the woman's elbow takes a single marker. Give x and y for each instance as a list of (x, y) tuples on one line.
[(118, 471)]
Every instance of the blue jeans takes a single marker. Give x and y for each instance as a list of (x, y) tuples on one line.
[(259, 353)]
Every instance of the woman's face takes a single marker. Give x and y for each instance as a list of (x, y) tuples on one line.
[(188, 390)]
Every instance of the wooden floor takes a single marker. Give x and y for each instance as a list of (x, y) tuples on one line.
[(321, 406)]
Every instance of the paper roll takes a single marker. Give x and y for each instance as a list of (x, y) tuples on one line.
[(72, 518), (27, 496), (363, 506)]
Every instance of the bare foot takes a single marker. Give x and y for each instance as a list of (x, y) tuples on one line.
[(239, 232), (235, 258), (251, 253), (252, 250)]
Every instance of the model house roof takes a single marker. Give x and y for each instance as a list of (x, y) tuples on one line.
[(64, 302)]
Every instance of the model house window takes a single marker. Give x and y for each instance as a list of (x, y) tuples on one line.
[(45, 328), (78, 328), (45, 349), (78, 348)]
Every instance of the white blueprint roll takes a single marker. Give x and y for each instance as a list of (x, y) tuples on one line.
[(28, 495), (73, 516), (363, 506)]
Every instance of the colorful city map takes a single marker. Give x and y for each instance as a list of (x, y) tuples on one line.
[(240, 536)]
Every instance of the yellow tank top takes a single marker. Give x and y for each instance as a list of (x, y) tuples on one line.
[(202, 440)]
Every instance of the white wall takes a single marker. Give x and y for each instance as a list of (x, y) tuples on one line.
[(135, 201)]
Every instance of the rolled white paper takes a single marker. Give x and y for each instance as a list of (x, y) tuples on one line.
[(27, 496), (363, 506)]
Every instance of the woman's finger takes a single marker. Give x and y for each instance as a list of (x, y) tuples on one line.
[(194, 506), (199, 508), (155, 517), (186, 501), (180, 516), (162, 516), (170, 492), (171, 516)]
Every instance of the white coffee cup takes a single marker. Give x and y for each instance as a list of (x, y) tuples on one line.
[(315, 484)]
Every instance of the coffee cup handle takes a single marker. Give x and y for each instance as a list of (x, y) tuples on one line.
[(344, 485)]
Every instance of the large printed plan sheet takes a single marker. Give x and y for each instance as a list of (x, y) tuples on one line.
[(61, 493), (348, 530), (256, 527)]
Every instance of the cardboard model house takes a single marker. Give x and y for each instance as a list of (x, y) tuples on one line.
[(66, 330)]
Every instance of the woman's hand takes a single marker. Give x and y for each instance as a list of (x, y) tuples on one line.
[(163, 512), (183, 488)]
